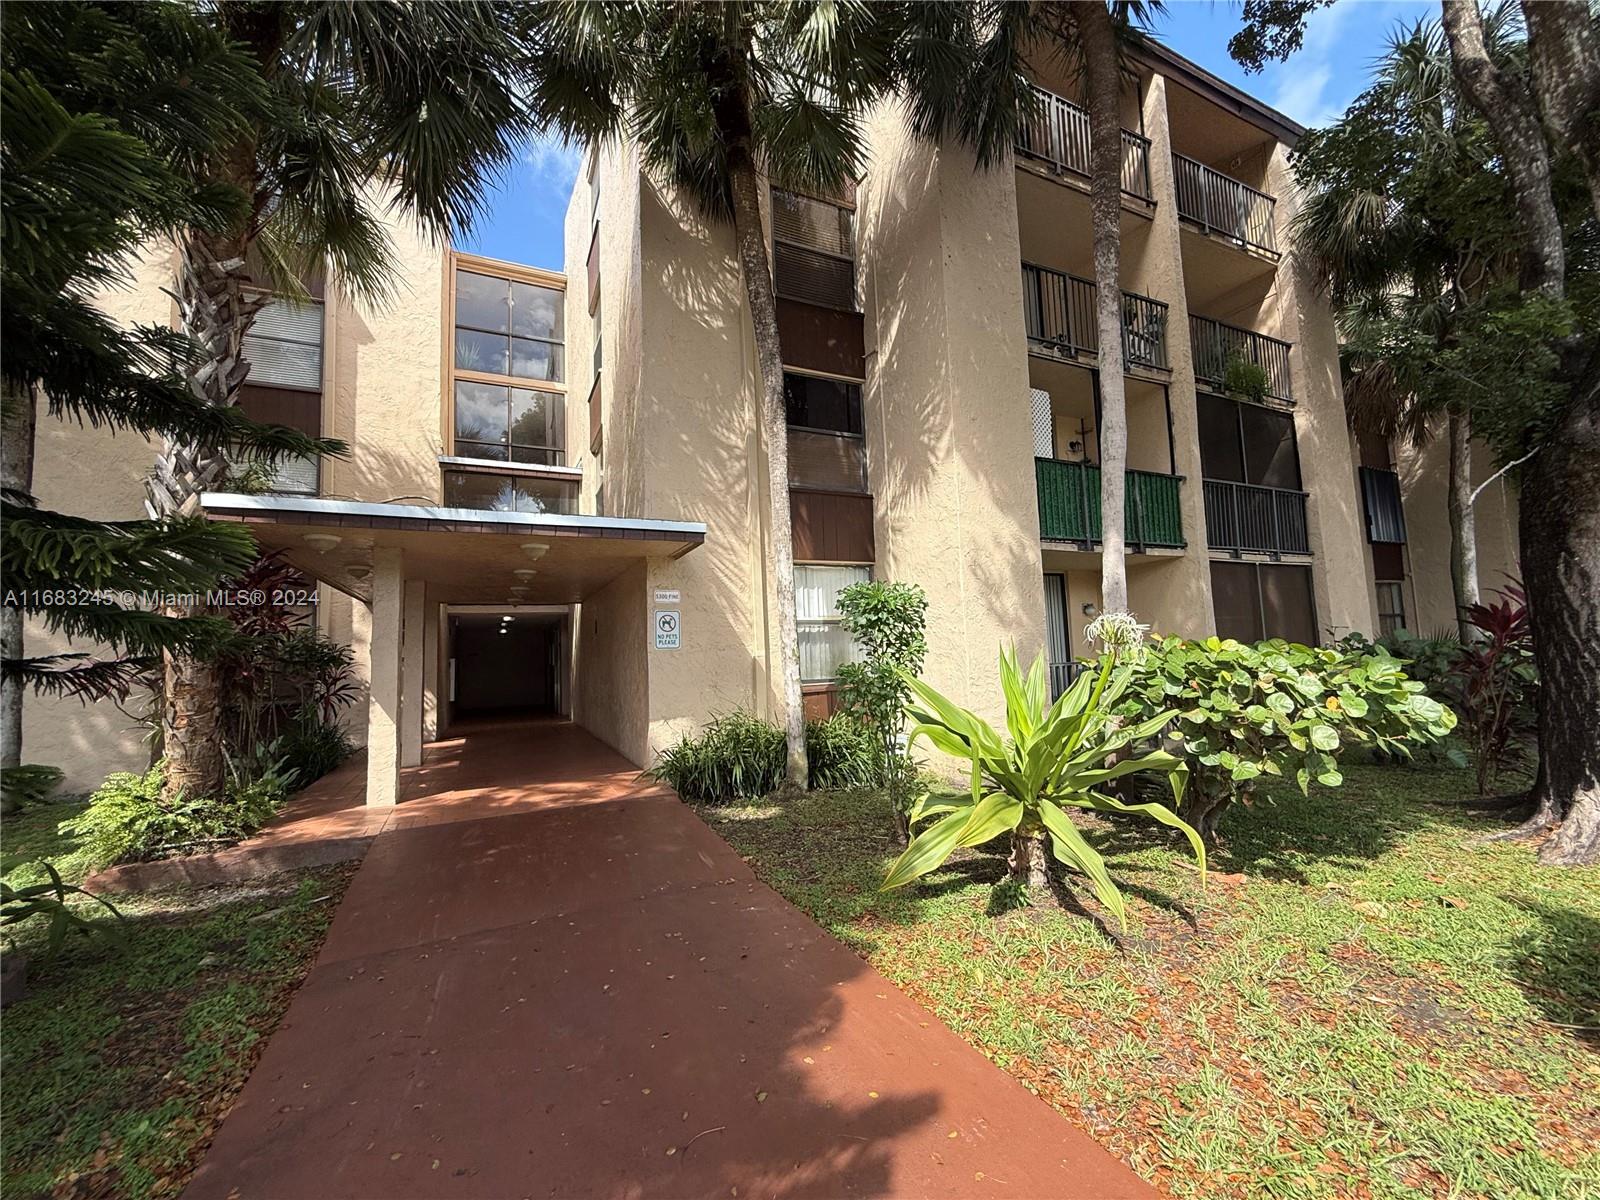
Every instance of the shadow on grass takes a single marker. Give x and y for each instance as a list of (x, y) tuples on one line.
[(1557, 966)]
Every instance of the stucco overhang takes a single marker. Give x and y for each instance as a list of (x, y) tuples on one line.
[(466, 556)]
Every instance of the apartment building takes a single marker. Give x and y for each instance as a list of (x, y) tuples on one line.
[(555, 498)]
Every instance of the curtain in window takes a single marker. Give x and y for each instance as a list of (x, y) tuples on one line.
[(824, 644)]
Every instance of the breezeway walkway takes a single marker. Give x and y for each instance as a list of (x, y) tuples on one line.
[(550, 978)]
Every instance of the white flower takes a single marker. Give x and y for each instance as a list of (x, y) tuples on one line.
[(1116, 631)]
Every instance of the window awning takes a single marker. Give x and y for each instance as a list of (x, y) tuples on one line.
[(466, 556)]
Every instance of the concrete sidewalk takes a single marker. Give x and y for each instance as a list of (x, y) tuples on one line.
[(551, 979)]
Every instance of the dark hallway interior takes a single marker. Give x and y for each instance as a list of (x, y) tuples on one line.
[(506, 663)]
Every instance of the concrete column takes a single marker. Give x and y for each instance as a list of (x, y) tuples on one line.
[(1342, 568), (430, 672), (1174, 594), (412, 646), (383, 705)]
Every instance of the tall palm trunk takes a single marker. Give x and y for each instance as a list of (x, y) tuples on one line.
[(1099, 42), (18, 412), (753, 265), (1463, 524), (217, 311)]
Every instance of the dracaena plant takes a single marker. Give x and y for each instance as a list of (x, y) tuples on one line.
[(1058, 756)]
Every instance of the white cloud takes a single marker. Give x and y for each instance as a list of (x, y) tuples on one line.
[(550, 157), (1302, 82)]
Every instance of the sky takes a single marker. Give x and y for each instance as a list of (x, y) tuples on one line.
[(524, 219)]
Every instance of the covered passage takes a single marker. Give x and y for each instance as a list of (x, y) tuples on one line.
[(469, 608)]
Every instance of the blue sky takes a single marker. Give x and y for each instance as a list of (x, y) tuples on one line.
[(525, 215)]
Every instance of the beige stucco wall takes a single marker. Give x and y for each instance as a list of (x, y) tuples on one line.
[(949, 437), (98, 474), (1424, 484), (1342, 568), (611, 683)]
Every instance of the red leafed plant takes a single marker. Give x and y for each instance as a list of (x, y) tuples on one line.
[(1496, 686)]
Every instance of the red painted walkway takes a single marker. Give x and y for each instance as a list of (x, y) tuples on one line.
[(551, 979)]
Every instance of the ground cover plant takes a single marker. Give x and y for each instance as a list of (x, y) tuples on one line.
[(1366, 1000), (122, 1056)]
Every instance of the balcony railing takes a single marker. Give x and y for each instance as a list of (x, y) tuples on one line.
[(1069, 505), (1058, 134), (1213, 343), (1222, 205), (1060, 311), (1244, 517), (1062, 675)]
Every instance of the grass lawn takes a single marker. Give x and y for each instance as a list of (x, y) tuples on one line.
[(120, 1060), (1365, 1001)]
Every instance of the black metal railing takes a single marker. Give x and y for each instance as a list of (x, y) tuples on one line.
[(1062, 675), (1060, 313), (1222, 205), (1213, 343), (1245, 517), (1058, 134)]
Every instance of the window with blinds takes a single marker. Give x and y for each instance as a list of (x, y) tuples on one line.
[(814, 250), (824, 642), (284, 345)]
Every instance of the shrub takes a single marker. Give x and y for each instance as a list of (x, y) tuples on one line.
[(48, 900), (1243, 379), (1496, 686), (311, 747), (888, 622), (735, 757), (843, 753), (1059, 756), (742, 757), (128, 820), (1276, 709), (27, 784)]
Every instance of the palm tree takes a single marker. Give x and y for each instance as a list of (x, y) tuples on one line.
[(367, 105), (724, 98), (1093, 36), (106, 107), (1407, 217)]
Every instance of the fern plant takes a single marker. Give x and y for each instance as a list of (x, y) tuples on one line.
[(1058, 756)]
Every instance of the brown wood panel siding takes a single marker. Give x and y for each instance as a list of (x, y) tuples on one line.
[(826, 460), (594, 417), (594, 270), (1388, 561), (831, 527), (282, 406), (822, 339), (819, 701)]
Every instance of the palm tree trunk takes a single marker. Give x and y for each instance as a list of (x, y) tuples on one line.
[(754, 266), (1099, 43), (1463, 524), (1027, 862), (19, 412), (217, 311)]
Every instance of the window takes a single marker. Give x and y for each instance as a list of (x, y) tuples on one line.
[(824, 644), (826, 404), (1391, 606), (1253, 601), (814, 250), (508, 493), (506, 327), (1380, 497), (1245, 443), (284, 345), (509, 424)]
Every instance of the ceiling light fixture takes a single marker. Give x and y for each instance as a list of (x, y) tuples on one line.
[(321, 542), (535, 550), (525, 572)]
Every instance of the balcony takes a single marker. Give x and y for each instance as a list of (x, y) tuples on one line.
[(1058, 136), (1223, 206), (1213, 343), (1061, 319), (1246, 518), (1069, 505)]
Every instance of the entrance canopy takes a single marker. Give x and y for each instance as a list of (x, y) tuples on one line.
[(466, 556)]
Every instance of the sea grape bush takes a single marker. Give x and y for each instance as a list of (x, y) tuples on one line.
[(1249, 713)]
